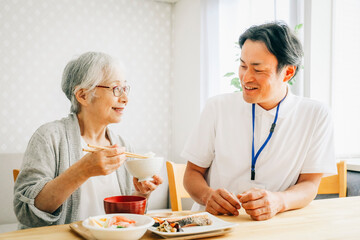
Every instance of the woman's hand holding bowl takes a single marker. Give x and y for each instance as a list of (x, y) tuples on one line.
[(146, 187)]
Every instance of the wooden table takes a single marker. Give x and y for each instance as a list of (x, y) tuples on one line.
[(337, 218)]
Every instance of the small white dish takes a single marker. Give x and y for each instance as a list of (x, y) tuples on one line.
[(217, 224), (144, 169), (143, 222)]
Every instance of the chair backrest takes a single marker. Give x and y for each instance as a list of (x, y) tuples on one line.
[(15, 173), (175, 173), (336, 183)]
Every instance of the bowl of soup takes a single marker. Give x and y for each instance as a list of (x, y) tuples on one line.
[(125, 204)]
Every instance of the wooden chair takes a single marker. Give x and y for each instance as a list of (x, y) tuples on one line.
[(175, 173), (336, 183), (15, 173)]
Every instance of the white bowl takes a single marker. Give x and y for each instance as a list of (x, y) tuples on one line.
[(132, 233), (144, 169)]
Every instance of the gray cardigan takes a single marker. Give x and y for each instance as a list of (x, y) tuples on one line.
[(52, 149)]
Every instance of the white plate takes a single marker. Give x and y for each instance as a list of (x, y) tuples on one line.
[(217, 224)]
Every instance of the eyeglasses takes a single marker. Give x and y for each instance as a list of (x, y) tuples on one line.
[(117, 90)]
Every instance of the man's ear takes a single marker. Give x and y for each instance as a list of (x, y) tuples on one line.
[(289, 73), (82, 97)]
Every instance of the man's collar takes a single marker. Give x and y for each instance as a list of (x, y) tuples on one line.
[(285, 107)]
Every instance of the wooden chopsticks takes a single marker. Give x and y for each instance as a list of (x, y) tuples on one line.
[(128, 154)]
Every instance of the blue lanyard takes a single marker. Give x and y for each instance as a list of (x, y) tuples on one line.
[(254, 158)]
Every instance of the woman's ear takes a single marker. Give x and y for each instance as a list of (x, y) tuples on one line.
[(82, 96), (289, 73)]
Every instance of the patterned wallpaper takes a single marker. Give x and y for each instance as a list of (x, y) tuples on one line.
[(38, 38)]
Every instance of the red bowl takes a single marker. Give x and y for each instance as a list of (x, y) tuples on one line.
[(125, 204)]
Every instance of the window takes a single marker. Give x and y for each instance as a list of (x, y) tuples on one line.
[(234, 18), (330, 36), (346, 80)]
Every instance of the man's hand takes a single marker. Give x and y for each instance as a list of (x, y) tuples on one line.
[(221, 201), (146, 187), (261, 204)]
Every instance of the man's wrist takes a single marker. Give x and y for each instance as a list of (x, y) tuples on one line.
[(205, 198), (282, 202)]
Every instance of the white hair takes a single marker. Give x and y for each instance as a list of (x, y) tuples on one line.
[(85, 72)]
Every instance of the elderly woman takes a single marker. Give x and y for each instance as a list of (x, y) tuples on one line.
[(59, 183)]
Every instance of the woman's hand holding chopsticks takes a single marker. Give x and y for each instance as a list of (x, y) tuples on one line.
[(103, 161), (141, 188), (128, 154)]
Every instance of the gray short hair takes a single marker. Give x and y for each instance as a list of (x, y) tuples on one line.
[(86, 71)]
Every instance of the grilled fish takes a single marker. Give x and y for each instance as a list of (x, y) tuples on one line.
[(197, 220)]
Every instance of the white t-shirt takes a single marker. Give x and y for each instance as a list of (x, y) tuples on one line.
[(94, 190), (301, 143)]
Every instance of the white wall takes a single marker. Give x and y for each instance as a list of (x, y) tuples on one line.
[(186, 73), (39, 37)]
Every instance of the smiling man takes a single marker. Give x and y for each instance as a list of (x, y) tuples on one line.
[(264, 148)]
